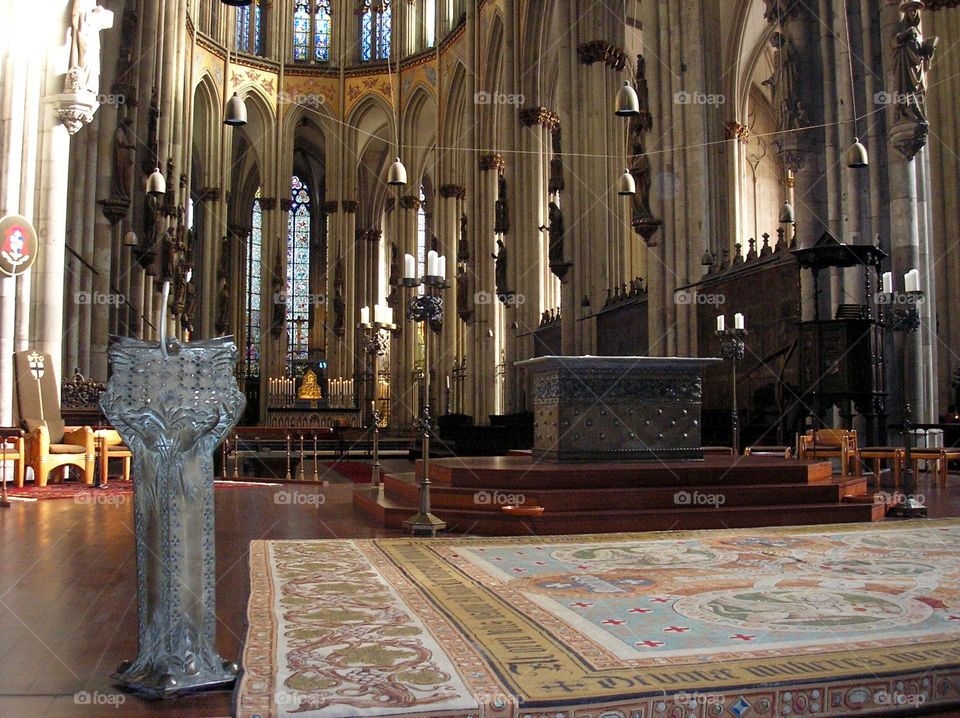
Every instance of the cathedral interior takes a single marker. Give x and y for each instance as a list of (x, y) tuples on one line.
[(405, 215)]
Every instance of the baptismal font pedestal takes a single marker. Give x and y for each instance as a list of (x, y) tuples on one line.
[(173, 404)]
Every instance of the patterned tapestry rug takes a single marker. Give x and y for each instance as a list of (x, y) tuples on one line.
[(825, 621)]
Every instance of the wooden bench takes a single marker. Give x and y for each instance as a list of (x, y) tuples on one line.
[(939, 456)]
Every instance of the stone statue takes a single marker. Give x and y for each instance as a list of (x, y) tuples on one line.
[(556, 234), (782, 84), (280, 299), (501, 269), (223, 305), (124, 154), (463, 289), (463, 245), (173, 404), (339, 307), (501, 219), (87, 21), (911, 61)]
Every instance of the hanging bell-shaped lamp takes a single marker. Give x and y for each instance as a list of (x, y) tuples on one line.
[(626, 185), (156, 184), (786, 213), (236, 113), (397, 175), (857, 155), (130, 239), (628, 104)]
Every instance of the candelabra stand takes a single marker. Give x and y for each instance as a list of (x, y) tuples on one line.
[(427, 307), (900, 314), (732, 347), (375, 345)]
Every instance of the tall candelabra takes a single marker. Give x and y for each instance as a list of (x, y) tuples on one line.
[(732, 347), (899, 313), (376, 337), (427, 307)]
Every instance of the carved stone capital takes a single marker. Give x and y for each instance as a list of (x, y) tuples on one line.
[(780, 10), (331, 207), (448, 191), (941, 4), (209, 194), (390, 204), (268, 204), (738, 131), (240, 231), (368, 235), (530, 116), (115, 208), (492, 162), (909, 138), (350, 206), (75, 109), (286, 204), (410, 202), (602, 51)]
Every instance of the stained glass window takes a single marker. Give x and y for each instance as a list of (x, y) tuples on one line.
[(375, 24), (429, 22), (298, 274), (311, 30), (252, 353), (250, 28)]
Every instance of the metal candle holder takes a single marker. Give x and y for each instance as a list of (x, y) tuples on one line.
[(376, 336), (732, 346), (899, 314), (427, 307)]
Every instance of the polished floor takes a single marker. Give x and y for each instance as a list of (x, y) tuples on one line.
[(68, 590)]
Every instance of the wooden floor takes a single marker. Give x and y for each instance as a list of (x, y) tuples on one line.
[(68, 591)]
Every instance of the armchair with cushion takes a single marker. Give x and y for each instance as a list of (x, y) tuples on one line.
[(831, 444), (49, 443), (111, 446)]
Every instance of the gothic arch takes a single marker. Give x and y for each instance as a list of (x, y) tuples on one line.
[(420, 130)]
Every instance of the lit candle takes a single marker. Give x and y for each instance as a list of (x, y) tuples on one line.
[(432, 263), (442, 267), (448, 381), (365, 315), (738, 321), (720, 322), (409, 267)]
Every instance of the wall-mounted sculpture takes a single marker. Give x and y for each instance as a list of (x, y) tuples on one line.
[(173, 404), (643, 220), (912, 55)]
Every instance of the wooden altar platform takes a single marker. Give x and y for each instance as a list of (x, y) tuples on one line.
[(718, 492)]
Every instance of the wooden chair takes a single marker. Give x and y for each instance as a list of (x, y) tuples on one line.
[(784, 452), (49, 443), (876, 454), (831, 444), (11, 449), (938, 457), (111, 446)]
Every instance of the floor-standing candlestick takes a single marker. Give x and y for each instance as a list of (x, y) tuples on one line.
[(375, 336), (732, 347), (426, 308)]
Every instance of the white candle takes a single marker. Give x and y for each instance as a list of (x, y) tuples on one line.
[(432, 263), (409, 267), (738, 321), (888, 282), (442, 267), (365, 315), (720, 322), (908, 281), (389, 315), (448, 381)]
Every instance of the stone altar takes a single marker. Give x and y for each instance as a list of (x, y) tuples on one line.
[(590, 408)]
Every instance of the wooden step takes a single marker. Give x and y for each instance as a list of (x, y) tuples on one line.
[(517, 473), (489, 523), (404, 489)]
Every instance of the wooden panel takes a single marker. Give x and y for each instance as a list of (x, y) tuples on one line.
[(623, 329)]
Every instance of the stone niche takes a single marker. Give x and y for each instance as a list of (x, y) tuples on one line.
[(604, 409)]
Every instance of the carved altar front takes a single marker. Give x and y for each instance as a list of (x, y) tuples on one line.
[(616, 408)]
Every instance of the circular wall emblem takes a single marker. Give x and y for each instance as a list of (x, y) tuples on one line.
[(18, 245)]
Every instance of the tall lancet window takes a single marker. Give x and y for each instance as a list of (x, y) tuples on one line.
[(298, 274), (375, 24), (250, 28), (252, 349), (311, 30), (429, 22)]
